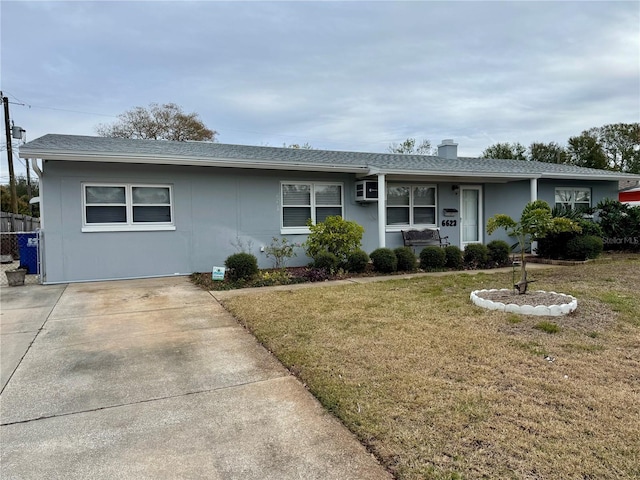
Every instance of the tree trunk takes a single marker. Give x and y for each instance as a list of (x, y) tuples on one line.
[(522, 285)]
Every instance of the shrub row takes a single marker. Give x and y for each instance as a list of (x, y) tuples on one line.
[(243, 266), (570, 246), (433, 258), (335, 244), (573, 245)]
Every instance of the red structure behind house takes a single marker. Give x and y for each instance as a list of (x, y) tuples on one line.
[(632, 196)]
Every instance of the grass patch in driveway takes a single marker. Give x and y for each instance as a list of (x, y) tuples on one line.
[(438, 388)]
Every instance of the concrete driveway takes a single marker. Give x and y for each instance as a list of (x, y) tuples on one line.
[(154, 379)]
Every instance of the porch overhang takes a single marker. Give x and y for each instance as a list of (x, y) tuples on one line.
[(445, 177)]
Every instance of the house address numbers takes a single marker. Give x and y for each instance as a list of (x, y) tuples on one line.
[(449, 223)]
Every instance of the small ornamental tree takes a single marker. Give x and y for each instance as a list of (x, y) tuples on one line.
[(535, 222), (281, 251)]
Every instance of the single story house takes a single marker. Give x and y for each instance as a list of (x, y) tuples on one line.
[(117, 208)]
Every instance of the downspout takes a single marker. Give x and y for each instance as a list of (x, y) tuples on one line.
[(41, 255), (382, 210), (36, 168), (533, 185)]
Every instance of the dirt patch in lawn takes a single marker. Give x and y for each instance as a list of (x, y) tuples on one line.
[(439, 388)]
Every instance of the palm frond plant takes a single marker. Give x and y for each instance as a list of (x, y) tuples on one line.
[(536, 221)]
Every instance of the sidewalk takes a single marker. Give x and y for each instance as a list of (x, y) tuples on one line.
[(221, 295)]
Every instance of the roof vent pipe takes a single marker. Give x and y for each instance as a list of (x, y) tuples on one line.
[(448, 149)]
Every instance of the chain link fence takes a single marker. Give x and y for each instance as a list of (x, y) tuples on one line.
[(20, 251)]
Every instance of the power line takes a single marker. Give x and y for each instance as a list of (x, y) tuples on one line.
[(273, 134), (30, 105), (71, 111), (11, 95), (293, 137)]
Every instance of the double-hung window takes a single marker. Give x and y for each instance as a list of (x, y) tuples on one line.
[(411, 205), (573, 198), (303, 201), (114, 207)]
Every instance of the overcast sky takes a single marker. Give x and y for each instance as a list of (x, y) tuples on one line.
[(339, 75)]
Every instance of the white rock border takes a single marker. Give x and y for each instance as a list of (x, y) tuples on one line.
[(540, 310)]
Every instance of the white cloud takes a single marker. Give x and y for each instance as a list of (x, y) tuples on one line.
[(345, 75)]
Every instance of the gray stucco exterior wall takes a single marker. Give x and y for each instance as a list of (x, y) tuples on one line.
[(213, 208), (510, 198)]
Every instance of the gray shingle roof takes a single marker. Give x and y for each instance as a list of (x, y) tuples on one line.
[(202, 153)]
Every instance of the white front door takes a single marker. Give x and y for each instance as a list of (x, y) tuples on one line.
[(471, 223)]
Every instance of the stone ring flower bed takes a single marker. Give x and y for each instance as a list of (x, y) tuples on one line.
[(535, 303)]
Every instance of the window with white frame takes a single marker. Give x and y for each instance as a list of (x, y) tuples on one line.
[(573, 198), (127, 207), (302, 201), (411, 205)]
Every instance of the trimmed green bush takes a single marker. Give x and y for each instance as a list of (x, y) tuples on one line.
[(476, 255), (584, 247), (498, 253), (326, 261), (384, 260), (453, 257), (407, 260), (590, 227), (357, 261), (554, 245), (242, 266), (432, 258), (334, 235)]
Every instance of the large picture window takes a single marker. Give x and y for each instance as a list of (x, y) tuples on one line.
[(573, 198), (411, 205), (302, 201), (127, 207)]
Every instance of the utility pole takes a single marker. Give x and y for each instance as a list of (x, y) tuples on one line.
[(12, 177)]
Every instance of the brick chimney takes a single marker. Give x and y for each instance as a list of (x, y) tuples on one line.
[(448, 149)]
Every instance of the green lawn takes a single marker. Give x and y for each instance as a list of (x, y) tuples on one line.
[(438, 388)]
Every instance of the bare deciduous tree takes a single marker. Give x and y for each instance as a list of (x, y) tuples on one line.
[(158, 122), (409, 147)]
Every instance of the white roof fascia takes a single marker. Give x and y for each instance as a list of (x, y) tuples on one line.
[(590, 176), (189, 161)]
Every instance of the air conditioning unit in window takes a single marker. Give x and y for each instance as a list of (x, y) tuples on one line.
[(367, 191)]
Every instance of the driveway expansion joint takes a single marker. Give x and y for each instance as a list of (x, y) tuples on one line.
[(127, 312), (140, 335), (285, 374)]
